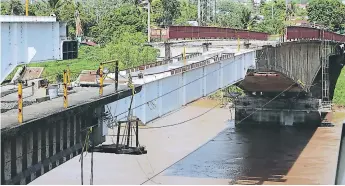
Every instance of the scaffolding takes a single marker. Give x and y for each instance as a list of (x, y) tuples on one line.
[(326, 104)]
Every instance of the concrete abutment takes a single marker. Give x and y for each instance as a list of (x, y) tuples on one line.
[(250, 110)]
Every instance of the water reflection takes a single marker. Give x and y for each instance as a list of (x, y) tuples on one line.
[(246, 153)]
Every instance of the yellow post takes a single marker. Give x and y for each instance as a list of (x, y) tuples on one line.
[(20, 102), (184, 56), (238, 43), (27, 7), (68, 76), (65, 100), (101, 79)]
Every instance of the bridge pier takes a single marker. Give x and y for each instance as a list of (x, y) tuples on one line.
[(205, 47), (281, 111), (167, 48)]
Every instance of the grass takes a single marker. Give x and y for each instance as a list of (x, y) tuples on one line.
[(53, 68), (89, 58), (339, 92)]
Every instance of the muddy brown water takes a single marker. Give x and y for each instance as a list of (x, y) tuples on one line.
[(259, 154)]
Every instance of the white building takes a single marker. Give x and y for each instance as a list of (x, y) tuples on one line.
[(30, 38)]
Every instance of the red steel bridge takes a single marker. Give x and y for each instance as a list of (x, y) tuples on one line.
[(310, 57), (199, 32)]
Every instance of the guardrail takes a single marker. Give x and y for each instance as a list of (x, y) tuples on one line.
[(306, 33), (199, 32), (201, 63), (164, 62)]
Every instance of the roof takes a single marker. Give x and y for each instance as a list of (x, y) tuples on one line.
[(11, 18)]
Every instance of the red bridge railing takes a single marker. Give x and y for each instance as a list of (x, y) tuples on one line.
[(199, 32), (307, 33)]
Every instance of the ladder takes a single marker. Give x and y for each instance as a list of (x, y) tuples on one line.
[(325, 50)]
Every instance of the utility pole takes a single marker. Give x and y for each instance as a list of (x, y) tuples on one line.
[(199, 13), (148, 21), (143, 4), (215, 12), (272, 9), (27, 7)]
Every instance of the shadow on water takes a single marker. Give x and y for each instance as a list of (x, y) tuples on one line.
[(254, 154)]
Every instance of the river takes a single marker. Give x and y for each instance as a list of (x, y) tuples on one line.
[(257, 154)]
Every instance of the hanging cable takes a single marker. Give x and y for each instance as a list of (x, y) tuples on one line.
[(177, 88), (81, 159), (215, 136), (179, 123), (93, 147)]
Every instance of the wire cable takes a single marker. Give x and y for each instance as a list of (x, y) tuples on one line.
[(216, 136), (177, 88), (180, 123)]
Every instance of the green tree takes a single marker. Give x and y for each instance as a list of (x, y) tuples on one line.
[(13, 7), (66, 14), (330, 13), (157, 12), (171, 10), (130, 50), (54, 6), (188, 12), (164, 12), (233, 14), (4, 8), (246, 18), (125, 18), (274, 13)]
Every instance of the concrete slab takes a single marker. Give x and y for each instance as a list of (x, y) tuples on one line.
[(32, 73), (90, 77), (43, 109)]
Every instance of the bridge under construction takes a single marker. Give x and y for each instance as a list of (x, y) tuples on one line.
[(289, 82)]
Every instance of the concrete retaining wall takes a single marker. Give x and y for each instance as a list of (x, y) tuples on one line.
[(281, 111)]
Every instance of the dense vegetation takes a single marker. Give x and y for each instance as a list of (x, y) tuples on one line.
[(339, 92)]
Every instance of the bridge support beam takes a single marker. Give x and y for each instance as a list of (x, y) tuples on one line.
[(46, 146), (281, 111), (167, 48), (205, 47), (35, 147)]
